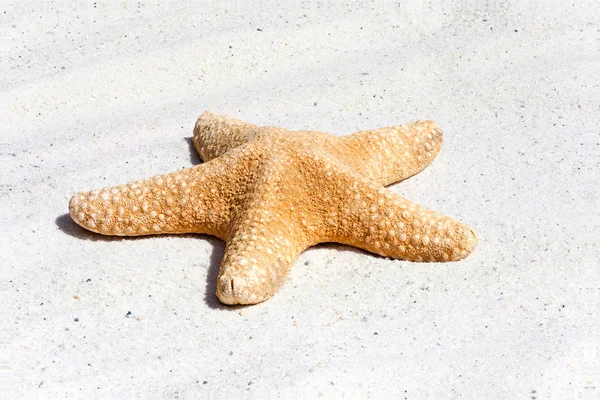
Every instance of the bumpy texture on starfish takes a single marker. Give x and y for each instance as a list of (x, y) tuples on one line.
[(270, 193)]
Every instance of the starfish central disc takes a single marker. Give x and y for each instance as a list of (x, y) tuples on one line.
[(270, 193)]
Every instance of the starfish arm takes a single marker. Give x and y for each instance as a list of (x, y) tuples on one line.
[(377, 220), (259, 255), (215, 135), (389, 155), (197, 199)]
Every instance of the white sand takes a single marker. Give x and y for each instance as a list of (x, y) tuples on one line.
[(92, 97)]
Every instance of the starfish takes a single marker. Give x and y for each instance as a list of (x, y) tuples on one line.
[(270, 193)]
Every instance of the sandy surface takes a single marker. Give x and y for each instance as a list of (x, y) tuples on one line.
[(99, 95)]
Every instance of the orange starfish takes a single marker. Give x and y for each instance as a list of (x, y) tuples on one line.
[(270, 193)]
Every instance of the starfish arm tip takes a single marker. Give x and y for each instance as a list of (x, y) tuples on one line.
[(395, 153), (214, 134)]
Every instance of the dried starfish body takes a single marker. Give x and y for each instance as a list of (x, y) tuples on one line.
[(270, 193)]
